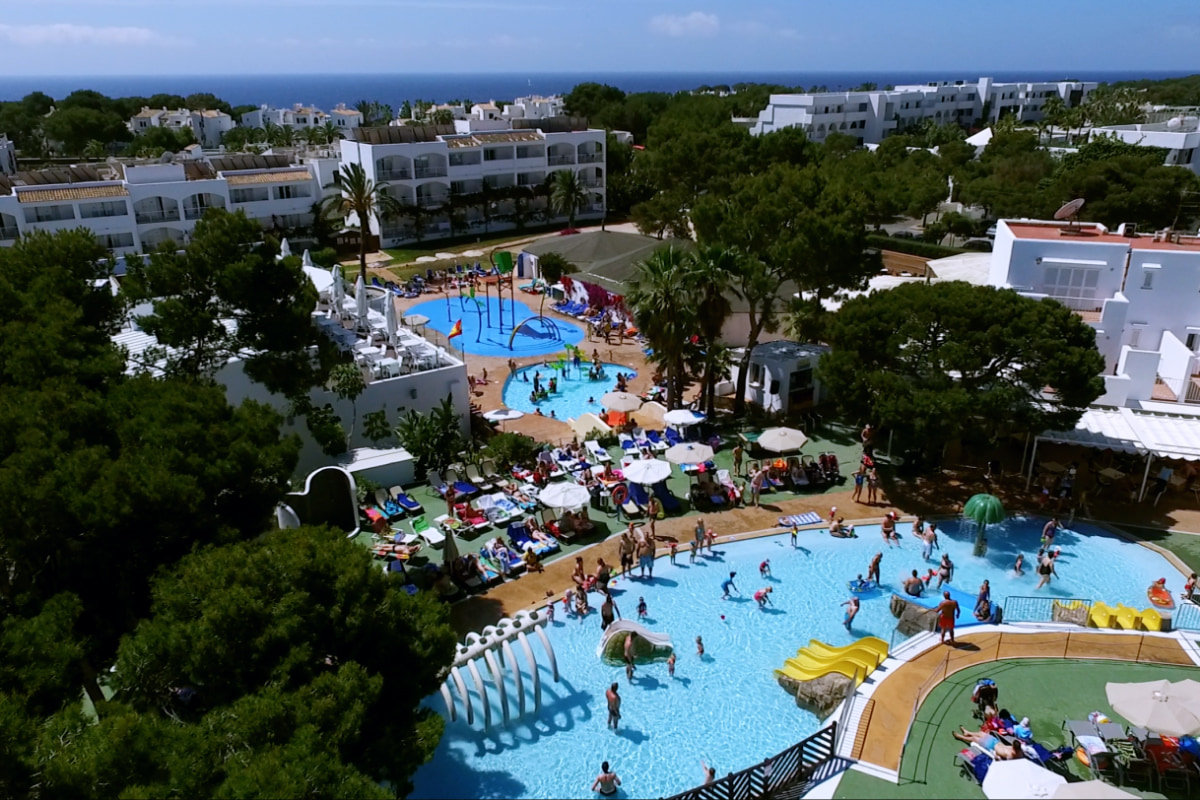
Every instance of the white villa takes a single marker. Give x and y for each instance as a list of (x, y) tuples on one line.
[(207, 125), (299, 117), (1179, 136), (135, 207), (872, 116), (428, 165)]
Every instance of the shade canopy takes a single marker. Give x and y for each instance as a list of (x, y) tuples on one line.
[(503, 415), (306, 259), (361, 309), (1090, 790), (285, 249), (782, 440), (621, 402), (1172, 709), (683, 417), (416, 320), (1019, 779), (449, 551), (564, 495), (321, 279), (986, 509), (689, 453), (338, 290), (647, 471), (389, 318)]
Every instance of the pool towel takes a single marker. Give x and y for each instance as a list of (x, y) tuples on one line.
[(807, 518)]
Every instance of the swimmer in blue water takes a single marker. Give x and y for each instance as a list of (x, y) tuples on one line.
[(852, 606), (727, 584)]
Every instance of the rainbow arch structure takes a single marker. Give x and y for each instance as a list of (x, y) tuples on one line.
[(551, 323)]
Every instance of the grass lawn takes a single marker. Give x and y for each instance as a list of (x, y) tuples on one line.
[(1047, 691)]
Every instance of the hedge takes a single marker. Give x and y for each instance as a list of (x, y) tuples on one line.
[(913, 247)]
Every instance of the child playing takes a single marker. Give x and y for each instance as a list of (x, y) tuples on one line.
[(674, 549), (795, 533), (764, 569), (699, 647), (641, 608), (671, 665)]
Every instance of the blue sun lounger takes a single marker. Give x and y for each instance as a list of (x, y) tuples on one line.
[(669, 502)]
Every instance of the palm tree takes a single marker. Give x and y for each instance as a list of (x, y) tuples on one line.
[(551, 268), (94, 149), (709, 278), (330, 133), (663, 313), (1052, 113), (269, 132), (358, 195), (285, 136), (567, 195)]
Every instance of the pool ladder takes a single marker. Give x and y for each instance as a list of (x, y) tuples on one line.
[(494, 645)]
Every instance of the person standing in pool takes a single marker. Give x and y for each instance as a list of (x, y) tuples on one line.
[(948, 611), (763, 597), (764, 569), (537, 382), (1045, 571), (607, 610), (1049, 532), (699, 647), (983, 603), (727, 584), (671, 665), (607, 782), (614, 705), (851, 611), (1019, 564), (945, 570), (873, 568), (795, 534)]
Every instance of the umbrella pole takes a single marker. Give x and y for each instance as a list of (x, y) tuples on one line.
[(1032, 461), (1145, 477)]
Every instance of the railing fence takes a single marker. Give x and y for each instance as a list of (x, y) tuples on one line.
[(1073, 610)]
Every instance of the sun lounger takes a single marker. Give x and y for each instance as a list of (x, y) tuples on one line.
[(638, 495), (489, 471), (627, 443), (431, 536), (471, 517), (514, 565), (669, 502), (406, 501), (521, 540), (807, 518), (438, 483), (476, 477), (462, 487), (597, 452)]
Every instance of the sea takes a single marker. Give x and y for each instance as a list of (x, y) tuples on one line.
[(326, 91)]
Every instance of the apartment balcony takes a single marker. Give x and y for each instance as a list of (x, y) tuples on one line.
[(558, 161), (8, 234), (429, 172), (399, 174), (152, 217), (196, 213), (591, 158), (432, 202)]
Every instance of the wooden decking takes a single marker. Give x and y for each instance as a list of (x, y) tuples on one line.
[(904, 688)]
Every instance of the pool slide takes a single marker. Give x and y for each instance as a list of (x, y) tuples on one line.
[(864, 648), (848, 667)]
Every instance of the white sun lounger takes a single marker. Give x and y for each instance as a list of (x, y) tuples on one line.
[(597, 452)]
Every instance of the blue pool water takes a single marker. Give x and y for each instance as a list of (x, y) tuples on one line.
[(492, 326), (574, 389), (727, 708)]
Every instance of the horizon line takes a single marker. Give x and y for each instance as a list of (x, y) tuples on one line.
[(1181, 72)]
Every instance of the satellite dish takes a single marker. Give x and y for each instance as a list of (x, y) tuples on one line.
[(1070, 210), (166, 158), (1175, 123)]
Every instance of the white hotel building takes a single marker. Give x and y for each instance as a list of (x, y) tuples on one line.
[(136, 207), (299, 117), (430, 165), (206, 125), (870, 117), (1179, 136)]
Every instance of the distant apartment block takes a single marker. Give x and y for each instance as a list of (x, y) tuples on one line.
[(136, 207), (429, 167), (1178, 135), (300, 116), (206, 125), (872, 116)]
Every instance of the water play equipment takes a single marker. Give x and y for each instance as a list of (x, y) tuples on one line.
[(494, 644), (551, 329), (646, 643)]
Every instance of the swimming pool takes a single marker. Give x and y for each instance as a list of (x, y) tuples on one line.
[(491, 322), (727, 708), (574, 387)]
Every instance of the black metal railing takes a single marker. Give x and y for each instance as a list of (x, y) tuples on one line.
[(1071, 610), (786, 773)]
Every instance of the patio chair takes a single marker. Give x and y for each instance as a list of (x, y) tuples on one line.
[(597, 452), (390, 507), (476, 477), (627, 443), (406, 500), (972, 765), (1100, 616)]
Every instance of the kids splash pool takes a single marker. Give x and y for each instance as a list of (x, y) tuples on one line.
[(726, 708), (498, 327), (575, 391)]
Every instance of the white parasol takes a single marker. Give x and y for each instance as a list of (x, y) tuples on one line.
[(503, 415), (564, 495), (389, 318), (306, 261), (682, 417), (1019, 779), (689, 453), (621, 402), (782, 440), (647, 471), (1171, 709), (360, 301)]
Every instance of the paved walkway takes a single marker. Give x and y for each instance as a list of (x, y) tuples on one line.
[(902, 690)]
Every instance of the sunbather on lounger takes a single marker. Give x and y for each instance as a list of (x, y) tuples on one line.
[(536, 533), (989, 742), (398, 550)]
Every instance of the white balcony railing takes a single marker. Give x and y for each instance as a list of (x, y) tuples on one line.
[(430, 172), (150, 217), (558, 161), (397, 174), (7, 234), (591, 158)]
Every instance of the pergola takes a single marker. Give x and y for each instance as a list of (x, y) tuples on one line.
[(1152, 433)]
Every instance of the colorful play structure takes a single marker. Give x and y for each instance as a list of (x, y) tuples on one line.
[(856, 660), (1101, 615)]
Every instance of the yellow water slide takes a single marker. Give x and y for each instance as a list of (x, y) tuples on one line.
[(856, 660)]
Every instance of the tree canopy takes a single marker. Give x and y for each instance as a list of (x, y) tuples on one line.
[(931, 361)]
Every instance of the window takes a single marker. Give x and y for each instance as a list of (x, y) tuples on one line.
[(292, 191), (1071, 282), (97, 210), (49, 213), (252, 195), (1147, 280), (113, 241), (1135, 336)]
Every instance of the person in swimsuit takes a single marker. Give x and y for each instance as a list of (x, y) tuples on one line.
[(763, 596), (1049, 532), (607, 609), (699, 647), (579, 575), (948, 611), (607, 782), (795, 534), (671, 665), (629, 657), (603, 574), (839, 529), (888, 529), (851, 611), (1045, 571), (764, 569), (983, 603), (872, 487), (627, 548), (914, 586), (710, 773), (646, 557), (1019, 564), (945, 570), (727, 584), (860, 478), (642, 611), (614, 706), (873, 568), (1189, 588)]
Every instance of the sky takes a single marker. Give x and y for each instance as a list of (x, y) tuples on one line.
[(208, 37)]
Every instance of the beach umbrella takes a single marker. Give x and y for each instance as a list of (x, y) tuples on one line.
[(782, 440), (1171, 709), (503, 415), (389, 318), (564, 495), (450, 551), (338, 291), (1019, 779), (360, 301), (984, 509), (623, 402), (285, 249), (689, 453), (306, 261), (682, 417), (647, 471), (1090, 790), (320, 279)]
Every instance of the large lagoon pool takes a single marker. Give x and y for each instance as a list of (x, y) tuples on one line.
[(488, 326), (575, 393), (726, 707)]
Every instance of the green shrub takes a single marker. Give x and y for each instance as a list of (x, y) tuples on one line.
[(326, 257), (912, 247), (510, 448), (603, 439)]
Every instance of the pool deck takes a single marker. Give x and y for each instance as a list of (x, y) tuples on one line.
[(878, 741)]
